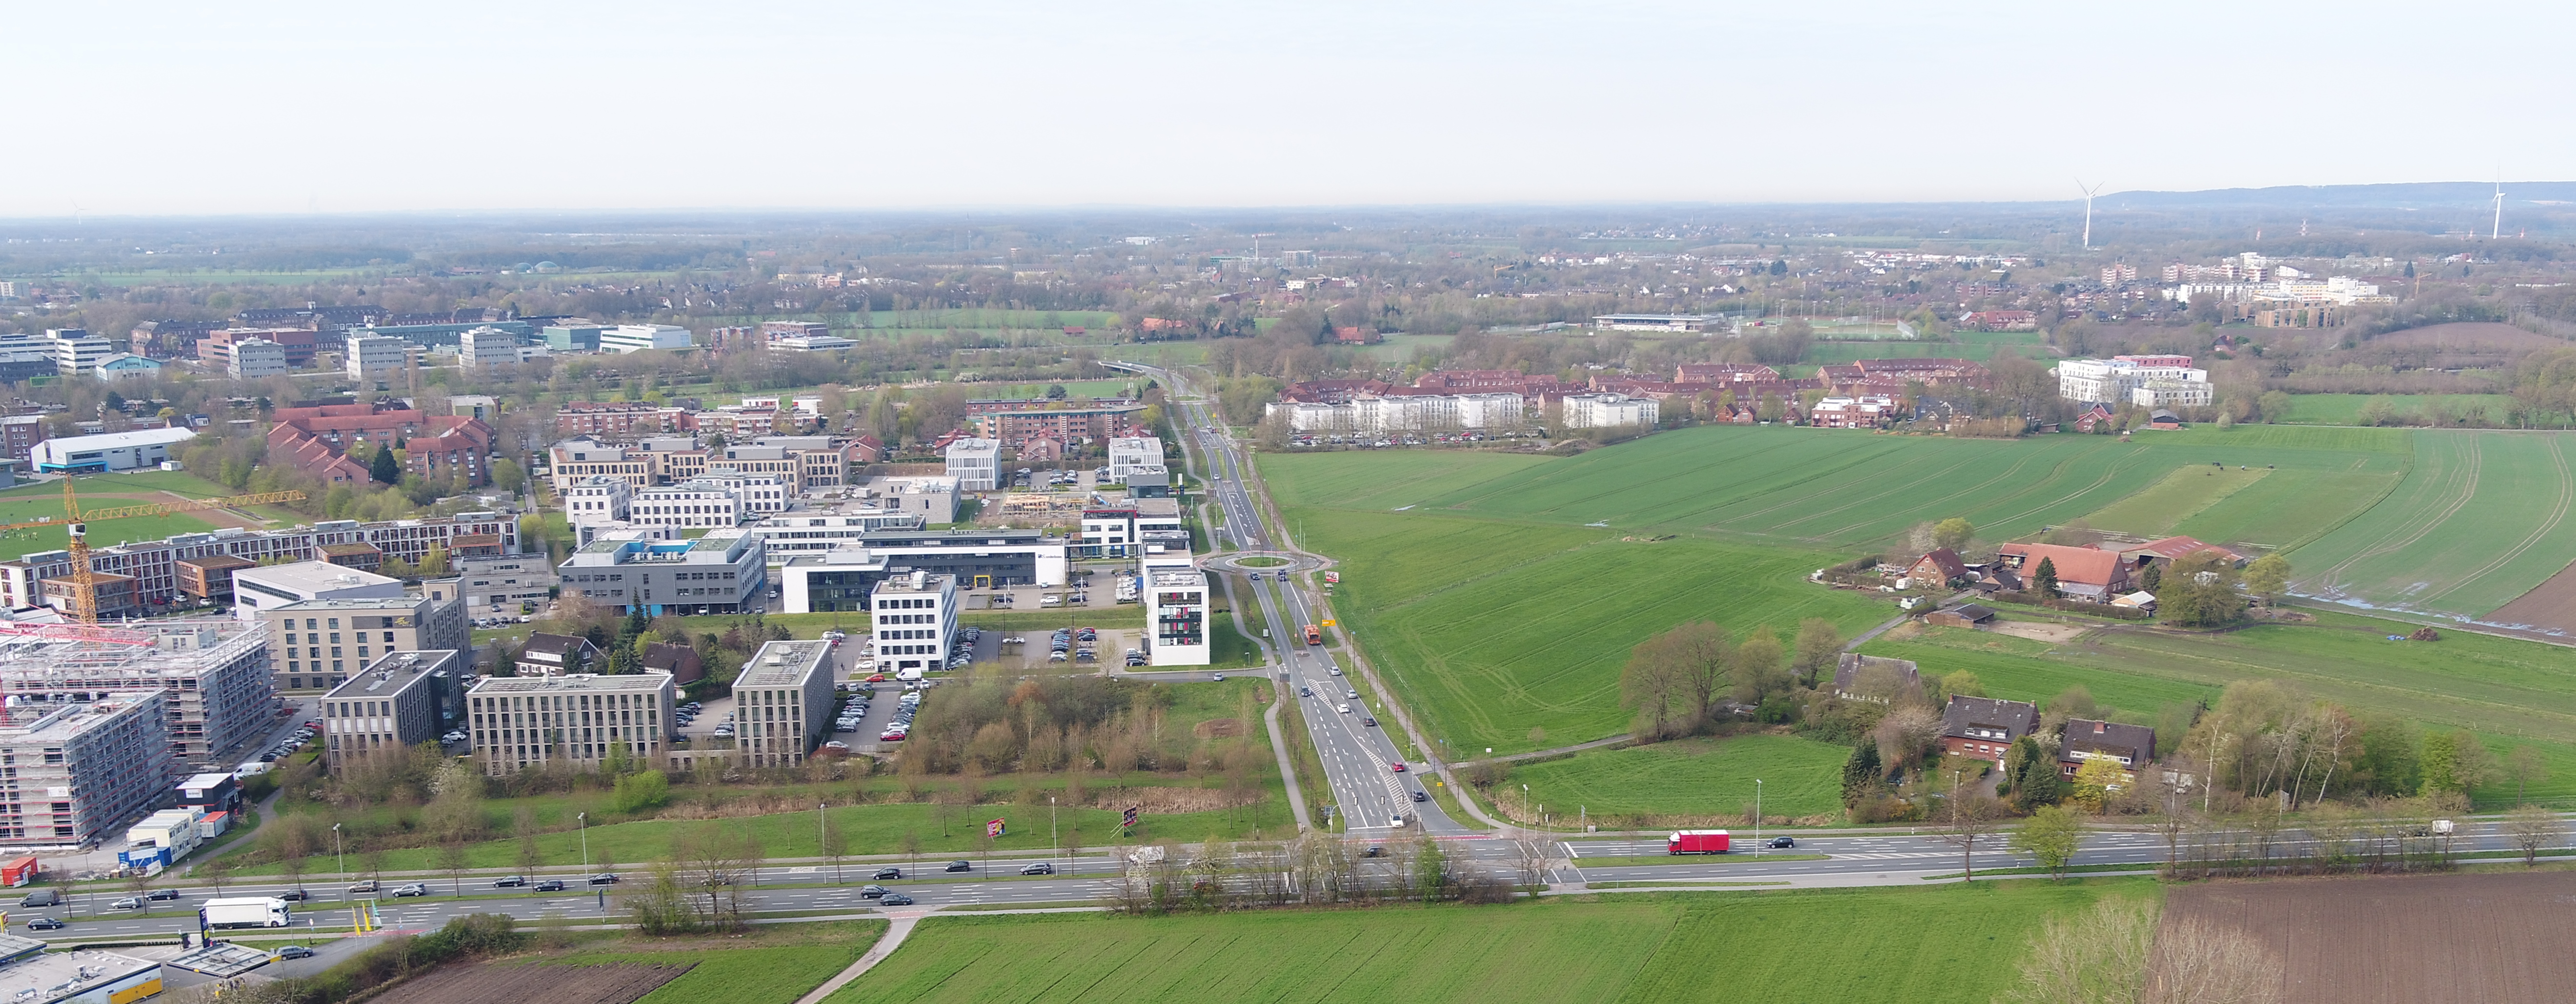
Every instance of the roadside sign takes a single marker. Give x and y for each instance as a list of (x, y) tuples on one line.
[(1131, 817), (994, 828), (1328, 623)]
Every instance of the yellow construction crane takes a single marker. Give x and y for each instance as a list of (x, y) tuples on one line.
[(84, 579)]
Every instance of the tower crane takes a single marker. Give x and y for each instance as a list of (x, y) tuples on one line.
[(85, 579)]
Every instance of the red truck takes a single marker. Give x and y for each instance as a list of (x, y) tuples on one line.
[(1314, 635), (1696, 842)]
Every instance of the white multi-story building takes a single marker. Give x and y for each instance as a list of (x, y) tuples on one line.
[(914, 618), (2172, 394), (257, 358), (1127, 453), (272, 586), (761, 494), (600, 499), (83, 769), (1405, 413), (1605, 411), (505, 581), (372, 356), (487, 346), (2112, 381), (699, 503), (976, 464), (782, 703), (77, 352), (811, 343), (155, 564), (1176, 616), (724, 572), (108, 451), (626, 338)]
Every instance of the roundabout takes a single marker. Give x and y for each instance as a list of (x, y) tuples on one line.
[(1259, 562)]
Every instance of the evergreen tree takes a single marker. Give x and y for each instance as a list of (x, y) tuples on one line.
[(383, 468), (2154, 576), (1861, 773), (2036, 783), (2046, 579)]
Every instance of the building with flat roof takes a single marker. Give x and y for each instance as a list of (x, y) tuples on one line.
[(1654, 322), (108, 451), (375, 357), (82, 769), (701, 503), (497, 583), (76, 351), (782, 703), (154, 564), (212, 674), (1176, 616), (979, 559), (976, 464), (257, 359), (261, 588), (724, 572), (402, 699), (580, 720), (321, 642), (914, 619), (32, 974), (841, 579), (1128, 454), (641, 337)]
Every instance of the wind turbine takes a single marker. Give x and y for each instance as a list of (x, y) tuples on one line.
[(2496, 230), (2088, 209)]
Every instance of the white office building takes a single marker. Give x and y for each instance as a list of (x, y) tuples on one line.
[(782, 703), (108, 451), (976, 464), (1606, 411), (1126, 454), (271, 586), (257, 358), (373, 356), (505, 583), (2114, 380), (760, 494), (626, 338), (915, 617), (77, 352), (600, 499), (724, 572), (1176, 616), (1404, 413), (700, 503), (2173, 394), (487, 346), (811, 343), (580, 720)]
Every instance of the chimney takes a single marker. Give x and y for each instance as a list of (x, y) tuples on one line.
[(2099, 727)]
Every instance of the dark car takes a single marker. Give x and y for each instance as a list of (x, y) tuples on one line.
[(162, 894), (1370, 722), (1040, 868), (603, 879), (888, 873), (294, 895), (873, 891), (1784, 842), (295, 952), (45, 924), (1421, 796), (509, 881), (1374, 851), (895, 899), (959, 866), (550, 885)]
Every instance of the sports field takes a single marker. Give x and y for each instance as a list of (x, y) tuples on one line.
[(31, 502), (2513, 692), (1693, 777), (1952, 944)]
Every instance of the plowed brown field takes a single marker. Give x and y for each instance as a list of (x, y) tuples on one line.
[(2492, 938), (483, 983)]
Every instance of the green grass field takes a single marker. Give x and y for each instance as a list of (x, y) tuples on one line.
[(1693, 777), (2513, 692), (742, 972), (2176, 497), (1943, 945), (2480, 520), (2345, 409)]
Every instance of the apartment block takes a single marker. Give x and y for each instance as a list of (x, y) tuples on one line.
[(782, 703), (321, 642), (579, 721), (74, 772), (402, 699)]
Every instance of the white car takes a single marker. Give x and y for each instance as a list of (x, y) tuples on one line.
[(1346, 709)]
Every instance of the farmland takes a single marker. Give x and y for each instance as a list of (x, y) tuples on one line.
[(773, 965), (2481, 520), (1931, 945), (2345, 409), (1693, 777), (2487, 938), (2511, 692)]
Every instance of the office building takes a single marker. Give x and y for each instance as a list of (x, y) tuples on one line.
[(375, 357), (487, 346), (261, 588), (505, 583), (838, 580), (698, 503), (321, 642), (1121, 531), (154, 564), (24, 357), (574, 336), (256, 359), (580, 721), (805, 534), (402, 699), (81, 770), (724, 572), (1609, 411), (915, 619), (126, 366), (76, 351), (626, 338), (217, 348), (108, 451), (979, 559), (2113, 381), (212, 675), (1176, 616), (19, 435), (782, 703), (1128, 454), (976, 464)]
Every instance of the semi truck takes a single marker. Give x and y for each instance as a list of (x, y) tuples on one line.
[(1696, 842), (1314, 635), (245, 911)]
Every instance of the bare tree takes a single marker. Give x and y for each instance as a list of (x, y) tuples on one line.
[(2097, 957), (2531, 828), (836, 845), (1700, 653), (1970, 817), (1531, 858), (2524, 766), (451, 859), (2198, 962)]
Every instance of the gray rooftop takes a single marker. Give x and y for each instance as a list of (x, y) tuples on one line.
[(783, 664)]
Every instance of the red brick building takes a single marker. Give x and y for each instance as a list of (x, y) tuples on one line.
[(616, 421), (316, 441), (1984, 728)]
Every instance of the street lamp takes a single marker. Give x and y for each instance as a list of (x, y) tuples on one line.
[(1757, 817), (583, 818), (336, 851), (1051, 838)]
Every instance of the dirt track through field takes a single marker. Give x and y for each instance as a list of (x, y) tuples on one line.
[(485, 983), (2489, 938)]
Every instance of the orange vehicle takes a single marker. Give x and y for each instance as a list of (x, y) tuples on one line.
[(1314, 635)]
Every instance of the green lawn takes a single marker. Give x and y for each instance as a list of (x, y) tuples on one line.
[(2510, 691), (1941, 945), (749, 972), (1693, 777)]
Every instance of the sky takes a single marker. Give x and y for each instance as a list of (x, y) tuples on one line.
[(289, 107)]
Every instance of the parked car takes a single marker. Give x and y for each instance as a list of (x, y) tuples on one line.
[(896, 899), (45, 924), (1040, 868), (294, 952), (959, 866)]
